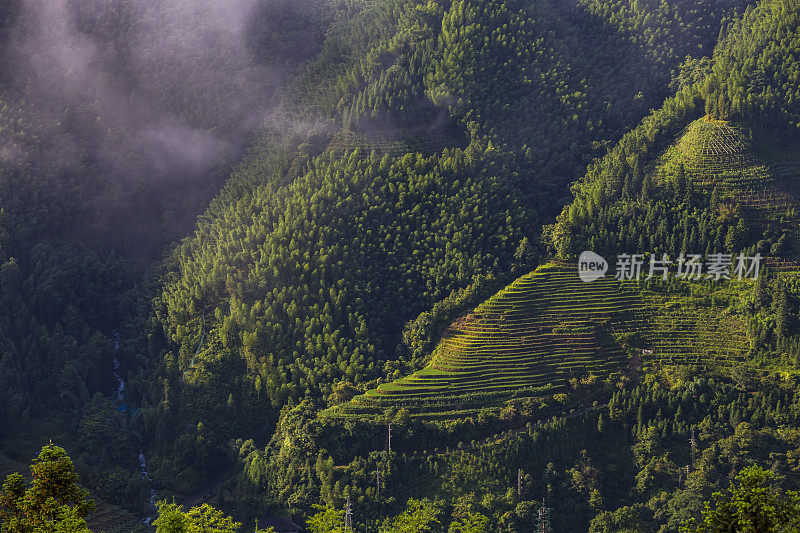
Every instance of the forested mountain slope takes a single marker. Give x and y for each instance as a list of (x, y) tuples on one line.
[(324, 268), (118, 122), (753, 84), (723, 183), (553, 83), (403, 157), (287, 290), (712, 170)]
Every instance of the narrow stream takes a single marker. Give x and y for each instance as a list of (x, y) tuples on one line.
[(121, 401)]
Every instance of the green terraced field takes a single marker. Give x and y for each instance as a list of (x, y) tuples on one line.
[(760, 172), (710, 149), (529, 339), (547, 327), (693, 329)]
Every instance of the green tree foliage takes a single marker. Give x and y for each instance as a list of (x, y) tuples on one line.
[(200, 519), (61, 298), (327, 520), (420, 516), (315, 289), (668, 33), (631, 476), (287, 33), (758, 87), (634, 519), (57, 295), (507, 84), (52, 502), (293, 291), (607, 208), (289, 288), (750, 505), (472, 523), (531, 77), (294, 285)]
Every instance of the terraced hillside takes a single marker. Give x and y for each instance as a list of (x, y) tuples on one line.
[(528, 339), (548, 326), (759, 171), (692, 327), (711, 149)]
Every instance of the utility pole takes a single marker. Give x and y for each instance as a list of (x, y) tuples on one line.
[(519, 482), (693, 442), (390, 437), (348, 516)]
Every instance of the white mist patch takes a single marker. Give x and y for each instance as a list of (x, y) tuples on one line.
[(169, 85)]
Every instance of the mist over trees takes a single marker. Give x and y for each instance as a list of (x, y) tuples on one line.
[(248, 212), (152, 90), (150, 103)]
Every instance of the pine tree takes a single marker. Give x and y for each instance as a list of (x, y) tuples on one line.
[(784, 313), (53, 502)]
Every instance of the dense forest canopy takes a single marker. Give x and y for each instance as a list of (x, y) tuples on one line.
[(438, 52), (221, 220)]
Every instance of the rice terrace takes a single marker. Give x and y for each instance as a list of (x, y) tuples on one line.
[(549, 327)]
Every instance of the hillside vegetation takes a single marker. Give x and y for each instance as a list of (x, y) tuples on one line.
[(299, 282), (720, 185), (529, 339), (549, 329), (396, 245), (711, 170)]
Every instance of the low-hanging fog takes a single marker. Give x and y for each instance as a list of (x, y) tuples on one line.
[(143, 105), (148, 89)]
